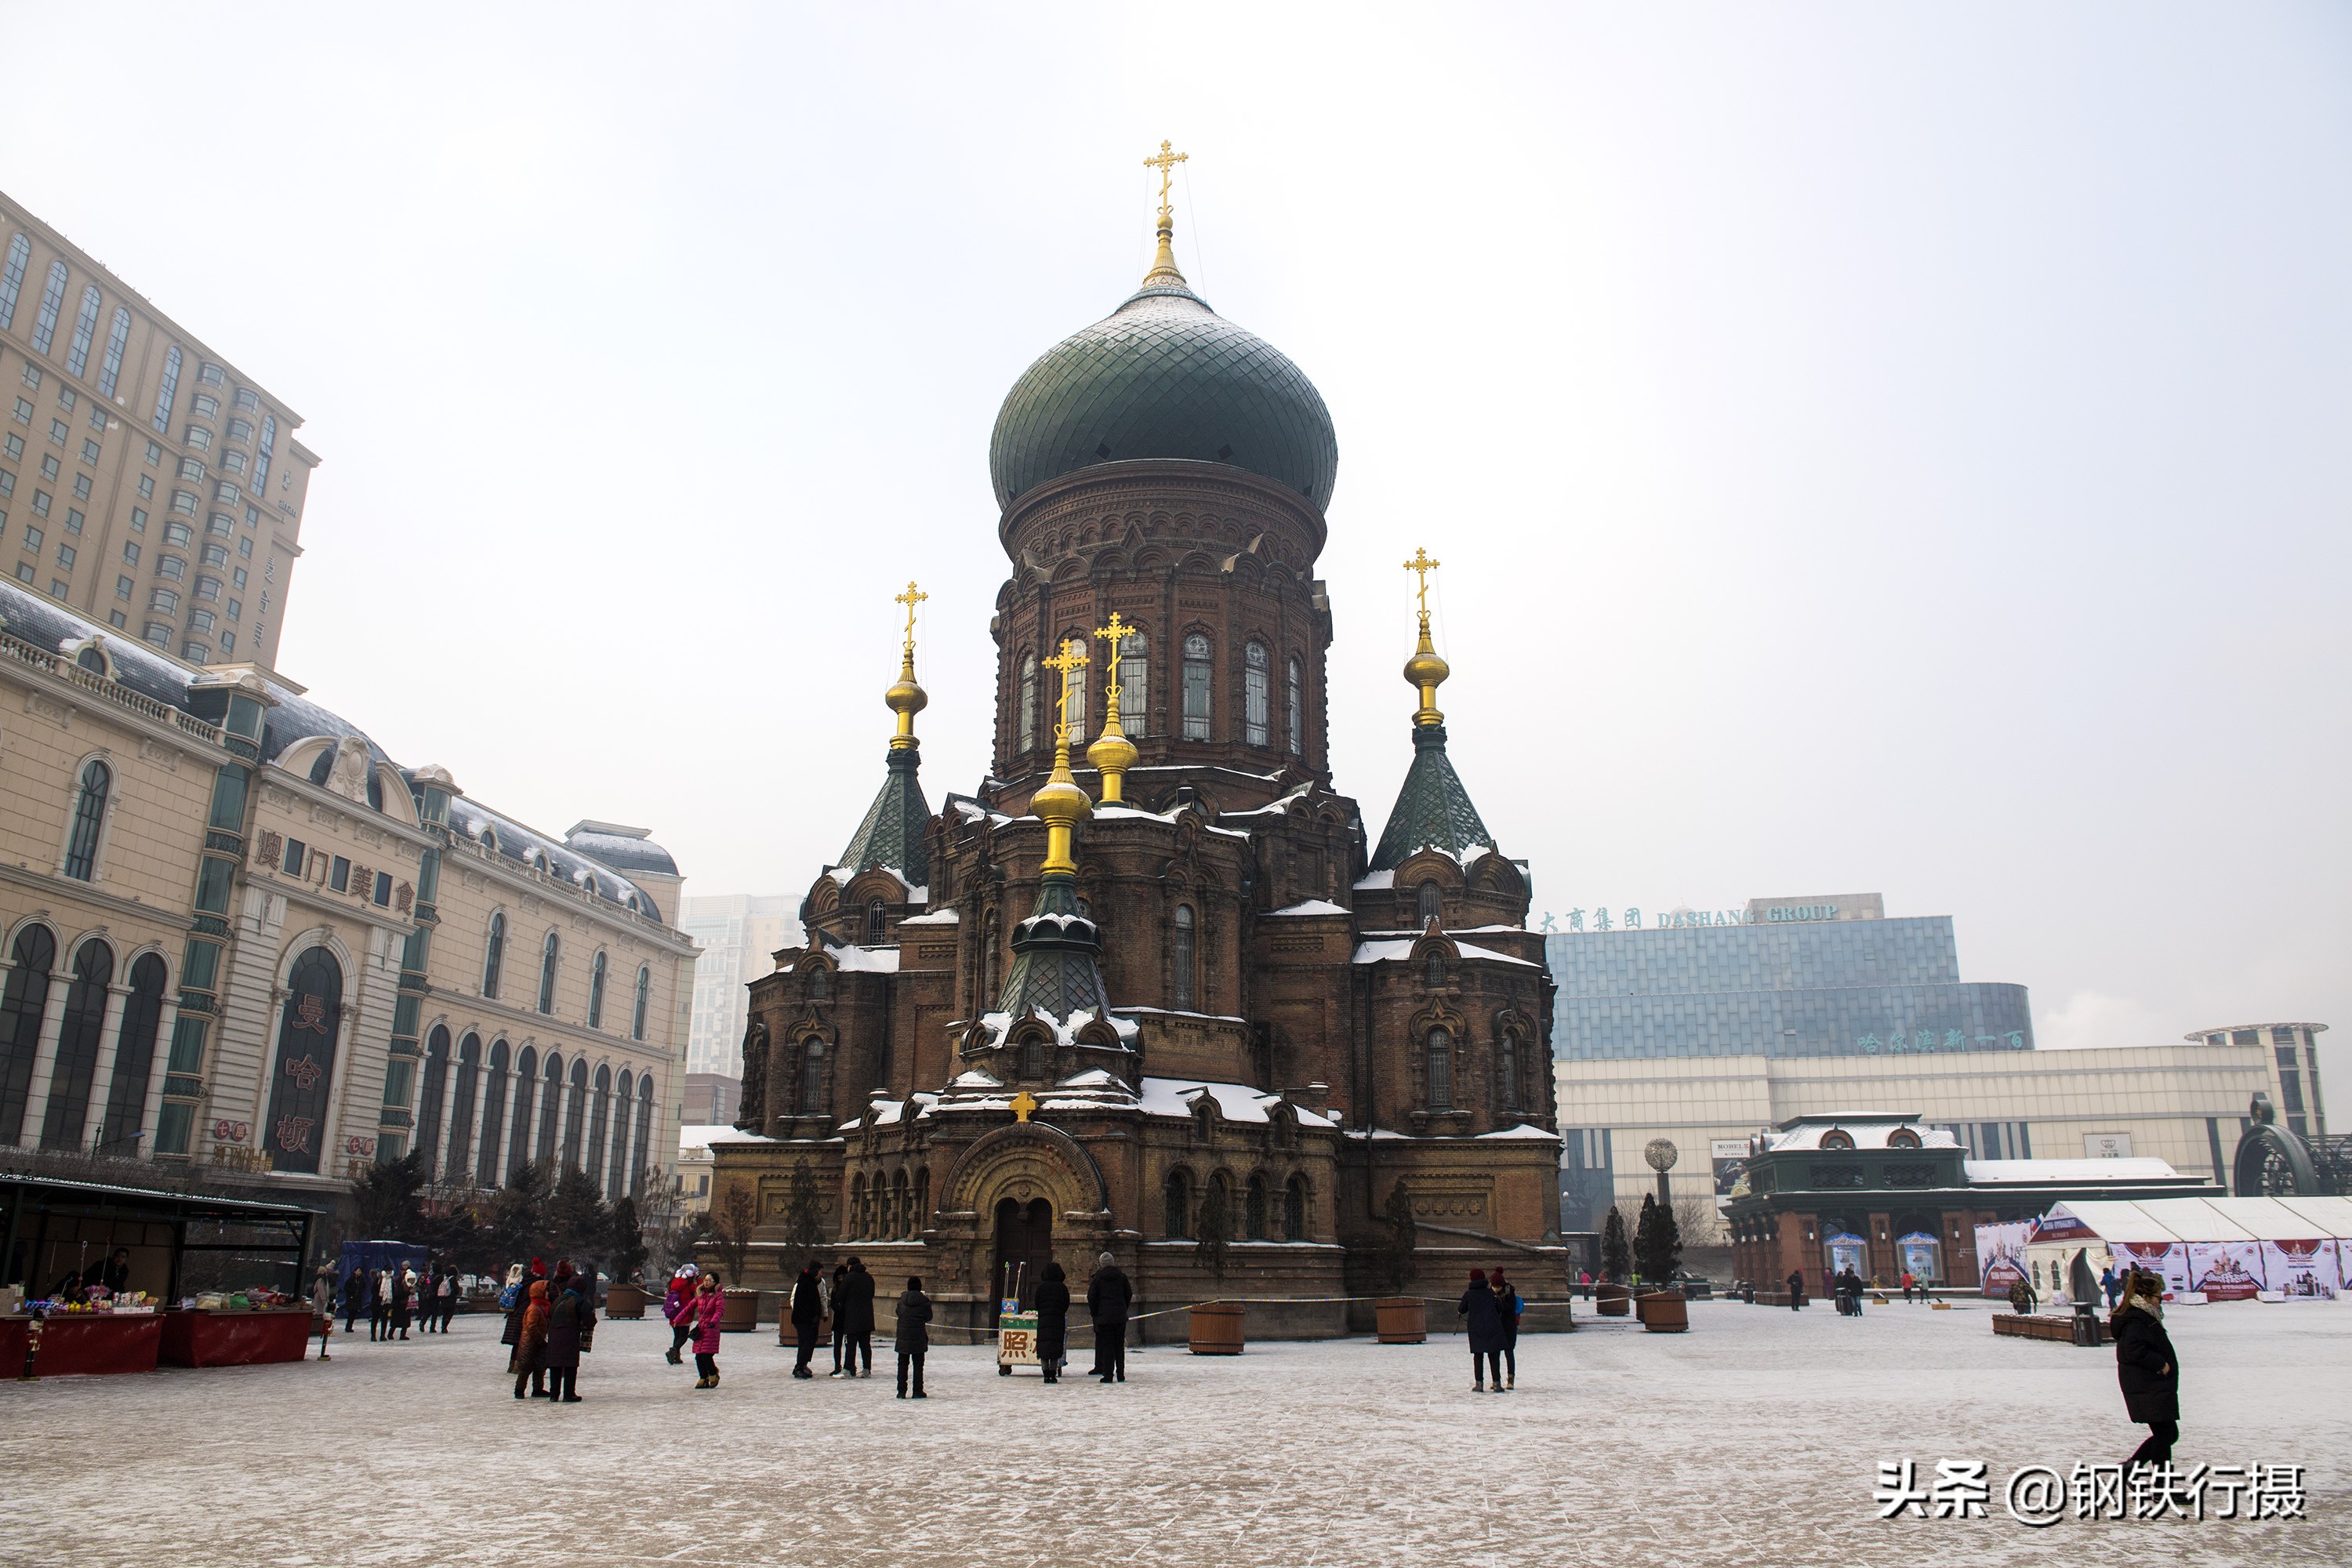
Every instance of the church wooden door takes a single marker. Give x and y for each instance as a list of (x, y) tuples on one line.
[(1024, 1244)]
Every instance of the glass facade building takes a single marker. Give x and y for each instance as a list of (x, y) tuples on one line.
[(1830, 987)]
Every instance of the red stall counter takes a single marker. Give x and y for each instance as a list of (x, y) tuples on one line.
[(198, 1336), (77, 1345)]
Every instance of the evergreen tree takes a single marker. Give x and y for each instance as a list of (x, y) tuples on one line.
[(515, 1229), (384, 1198), (1645, 1241), (1615, 1259), (624, 1248), (578, 1222), (1212, 1229), (732, 1219), (803, 1217)]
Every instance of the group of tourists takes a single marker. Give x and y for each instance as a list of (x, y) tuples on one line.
[(551, 1324), (392, 1298), (1490, 1310)]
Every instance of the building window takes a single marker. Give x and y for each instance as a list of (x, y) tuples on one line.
[(494, 955), (1033, 1059), (53, 297), (157, 633), (85, 330), (1181, 952), (179, 533), (1075, 682), (645, 993), (1135, 685), (213, 375), (1256, 672), (1028, 701), (876, 920), (247, 399), (163, 601), (12, 282), (109, 369), (1432, 905), (1294, 1209), (207, 588), (811, 1076), (1440, 1069), (123, 587), (268, 449), (1176, 1215), (1254, 1210), (240, 429), (201, 439), (596, 993), (169, 391), (89, 819), (1506, 1072), (548, 954), (1196, 687), (1297, 711), (171, 566), (201, 622)]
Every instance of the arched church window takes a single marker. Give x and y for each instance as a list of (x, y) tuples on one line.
[(1440, 1069), (1506, 1071), (1298, 709), (876, 920), (1196, 688), (897, 1205), (1431, 904), (1294, 1209), (1181, 958), (1256, 673), (1254, 1210), (1032, 1057), (1135, 685), (1435, 975), (90, 817), (547, 957), (1028, 703), (494, 955), (858, 1228), (1077, 712), (811, 1076), (820, 983), (922, 1201), (1177, 1207)]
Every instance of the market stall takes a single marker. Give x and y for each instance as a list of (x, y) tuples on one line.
[(234, 1335), (71, 1344)]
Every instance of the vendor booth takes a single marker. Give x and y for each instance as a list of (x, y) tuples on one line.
[(99, 1278), (2204, 1249)]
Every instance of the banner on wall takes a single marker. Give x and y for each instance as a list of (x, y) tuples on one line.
[(2226, 1270), (2167, 1259), (2303, 1270), (2000, 1256)]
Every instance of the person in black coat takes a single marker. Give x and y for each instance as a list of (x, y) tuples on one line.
[(832, 1292), (807, 1315), (2146, 1368), (1507, 1308), (355, 1298), (914, 1335), (1052, 1320), (852, 1309), (1108, 1295), (563, 1334), (1796, 1289), (1483, 1316)]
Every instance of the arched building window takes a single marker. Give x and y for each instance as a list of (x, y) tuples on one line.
[(1197, 670), (77, 1061), (546, 956), (53, 298), (302, 1075), (22, 1003), (1076, 678), (645, 993), (89, 821), (526, 1092), (1135, 685), (1254, 1208), (596, 992), (1296, 708), (134, 1056), (1181, 958), (1430, 903), (169, 393), (616, 1170), (860, 1219), (897, 1204), (1257, 699), (600, 1116), (1176, 1215), (109, 369), (85, 332), (12, 276), (1507, 1071), (1027, 701), (1294, 1209), (494, 955), (550, 1114), (638, 1165), (1033, 1059), (812, 1076), (435, 1089), (1436, 972), (494, 1117), (575, 1113), (461, 1107), (878, 921), (1440, 1062)]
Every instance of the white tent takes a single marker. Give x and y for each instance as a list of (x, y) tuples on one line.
[(2214, 1250)]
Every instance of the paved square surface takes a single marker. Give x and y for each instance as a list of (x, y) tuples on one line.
[(1754, 1438)]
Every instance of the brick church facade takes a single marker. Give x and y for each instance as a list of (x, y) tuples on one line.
[(1226, 1000)]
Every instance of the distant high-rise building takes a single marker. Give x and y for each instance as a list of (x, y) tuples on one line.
[(144, 480), (737, 933)]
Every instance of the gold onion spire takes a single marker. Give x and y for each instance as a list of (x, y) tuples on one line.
[(1164, 264), (1060, 801), (1424, 671), (1112, 753), (905, 698)]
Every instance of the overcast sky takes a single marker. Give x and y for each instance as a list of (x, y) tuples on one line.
[(1871, 448)]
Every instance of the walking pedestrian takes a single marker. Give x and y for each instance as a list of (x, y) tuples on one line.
[(677, 1307), (1484, 1321), (404, 1299), (2111, 1285), (1052, 1320), (914, 1338), (709, 1311), (1796, 1289), (1906, 1286), (380, 1305), (2146, 1368), (1108, 1295), (428, 1298), (830, 1290), (807, 1314), (852, 1305), (530, 1344), (563, 1334), (1508, 1307), (515, 1300), (322, 1306), (448, 1298), (355, 1298)]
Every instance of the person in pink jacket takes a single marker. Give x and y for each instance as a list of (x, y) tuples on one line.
[(709, 1306)]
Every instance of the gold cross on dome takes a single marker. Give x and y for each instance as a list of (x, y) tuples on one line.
[(1422, 563), (910, 598), (1166, 161), (1118, 632), (1073, 656), (1022, 1104)]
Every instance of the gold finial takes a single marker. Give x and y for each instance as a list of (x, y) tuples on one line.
[(1165, 262), (1060, 801), (1022, 1104), (1424, 671), (1112, 753), (906, 699)]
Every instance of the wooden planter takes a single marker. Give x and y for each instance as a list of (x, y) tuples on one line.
[(1663, 1312), (1217, 1327), (742, 1314), (624, 1300), (1611, 1301), (1403, 1320)]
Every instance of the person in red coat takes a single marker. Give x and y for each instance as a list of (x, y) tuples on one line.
[(710, 1307)]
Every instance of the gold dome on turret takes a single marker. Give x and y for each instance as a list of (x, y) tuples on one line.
[(1424, 671), (906, 698)]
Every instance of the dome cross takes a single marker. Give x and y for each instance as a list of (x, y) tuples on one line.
[(1165, 162)]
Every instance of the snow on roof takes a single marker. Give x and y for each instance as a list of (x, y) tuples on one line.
[(694, 1138), (1997, 1172), (1179, 1013), (2333, 1216), (1312, 907), (1380, 880), (1453, 930), (1382, 952), (975, 1078), (1235, 1101), (946, 917), (865, 960), (1523, 1129), (1874, 1133), (1275, 807)]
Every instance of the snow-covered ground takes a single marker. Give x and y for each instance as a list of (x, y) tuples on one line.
[(1754, 1438)]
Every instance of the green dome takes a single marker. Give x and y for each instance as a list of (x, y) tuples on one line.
[(1164, 376)]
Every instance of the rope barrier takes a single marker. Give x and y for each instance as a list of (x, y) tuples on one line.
[(1088, 1325)]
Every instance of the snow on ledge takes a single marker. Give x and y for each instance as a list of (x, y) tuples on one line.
[(1312, 907)]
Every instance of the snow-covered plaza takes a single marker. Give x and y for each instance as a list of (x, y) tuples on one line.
[(1754, 1438)]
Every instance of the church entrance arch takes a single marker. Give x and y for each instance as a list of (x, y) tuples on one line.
[(1025, 1245)]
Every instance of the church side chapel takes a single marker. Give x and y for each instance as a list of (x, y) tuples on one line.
[(1149, 990)]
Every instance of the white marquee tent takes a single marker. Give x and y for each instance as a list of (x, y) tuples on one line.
[(2213, 1249)]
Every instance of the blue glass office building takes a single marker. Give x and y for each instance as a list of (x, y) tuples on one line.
[(1763, 986)]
